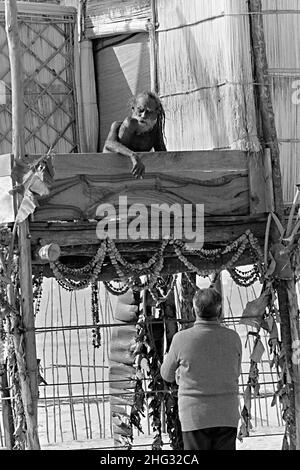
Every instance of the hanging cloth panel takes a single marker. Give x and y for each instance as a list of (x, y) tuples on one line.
[(122, 66)]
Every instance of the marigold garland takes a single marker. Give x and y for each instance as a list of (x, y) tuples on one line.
[(129, 273)]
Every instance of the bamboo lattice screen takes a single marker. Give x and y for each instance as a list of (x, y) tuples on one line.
[(47, 50)]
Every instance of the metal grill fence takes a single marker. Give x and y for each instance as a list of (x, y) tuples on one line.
[(74, 403)]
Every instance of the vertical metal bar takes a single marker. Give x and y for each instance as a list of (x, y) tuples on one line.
[(71, 365), (72, 413), (57, 379), (88, 372), (45, 369), (52, 363), (80, 367)]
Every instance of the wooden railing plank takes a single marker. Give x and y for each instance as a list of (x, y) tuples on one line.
[(216, 179)]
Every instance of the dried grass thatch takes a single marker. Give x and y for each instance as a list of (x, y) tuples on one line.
[(282, 33), (114, 17), (205, 74)]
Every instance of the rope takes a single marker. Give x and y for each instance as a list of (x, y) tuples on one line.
[(210, 87), (227, 15)]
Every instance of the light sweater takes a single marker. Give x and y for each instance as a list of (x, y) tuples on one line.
[(207, 359)]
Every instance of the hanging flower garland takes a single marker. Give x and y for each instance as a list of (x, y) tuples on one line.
[(245, 278), (13, 345), (172, 419), (129, 274), (121, 289), (147, 363), (95, 313), (37, 284), (140, 363), (65, 275), (157, 292)]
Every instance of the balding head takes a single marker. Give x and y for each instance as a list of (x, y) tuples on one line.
[(207, 304)]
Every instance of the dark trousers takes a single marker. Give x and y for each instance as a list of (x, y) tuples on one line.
[(220, 438)]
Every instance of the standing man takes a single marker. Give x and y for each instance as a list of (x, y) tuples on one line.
[(206, 362)]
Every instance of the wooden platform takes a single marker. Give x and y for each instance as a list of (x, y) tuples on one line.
[(233, 186)]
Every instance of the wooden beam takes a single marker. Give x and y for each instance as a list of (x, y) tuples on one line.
[(256, 183), (27, 372), (81, 236), (217, 180), (109, 164)]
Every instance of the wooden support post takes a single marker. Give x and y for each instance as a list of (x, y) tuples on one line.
[(265, 98), (269, 191), (29, 374), (286, 290), (257, 183)]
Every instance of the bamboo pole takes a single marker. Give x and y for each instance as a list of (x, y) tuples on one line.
[(286, 290), (7, 416), (153, 48), (265, 99), (28, 372)]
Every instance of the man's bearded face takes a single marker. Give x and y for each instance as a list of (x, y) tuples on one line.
[(145, 112)]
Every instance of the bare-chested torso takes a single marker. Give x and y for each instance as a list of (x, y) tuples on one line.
[(137, 133), (127, 134)]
